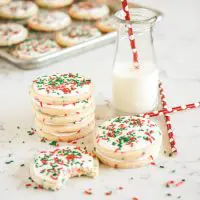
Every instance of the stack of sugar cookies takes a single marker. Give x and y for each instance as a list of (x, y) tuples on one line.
[(63, 106), (127, 142)]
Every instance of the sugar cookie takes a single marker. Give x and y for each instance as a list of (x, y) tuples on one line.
[(88, 11), (49, 21), (68, 136), (53, 3), (12, 33), (58, 120), (76, 33), (59, 89), (52, 168), (34, 48), (106, 25), (64, 128), (127, 139), (64, 109), (18, 10)]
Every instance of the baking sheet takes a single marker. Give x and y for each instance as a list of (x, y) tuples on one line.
[(62, 54)]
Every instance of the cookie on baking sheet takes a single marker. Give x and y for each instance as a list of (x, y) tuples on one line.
[(49, 21), (33, 48), (4, 2), (52, 168), (87, 10), (18, 10), (59, 89), (11, 33), (76, 33), (127, 141), (53, 3), (106, 25)]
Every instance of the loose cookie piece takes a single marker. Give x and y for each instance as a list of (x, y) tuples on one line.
[(49, 21), (75, 34), (54, 3), (12, 33), (34, 48), (52, 168), (88, 11), (18, 10)]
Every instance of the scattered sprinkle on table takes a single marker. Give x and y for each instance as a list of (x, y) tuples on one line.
[(43, 140), (120, 188), (9, 162), (108, 193), (31, 132), (88, 191), (54, 143), (135, 198), (22, 165)]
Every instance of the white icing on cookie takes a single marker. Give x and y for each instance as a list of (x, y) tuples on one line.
[(11, 33), (33, 48), (88, 10), (77, 33), (127, 133), (18, 10), (52, 168), (60, 85), (49, 21)]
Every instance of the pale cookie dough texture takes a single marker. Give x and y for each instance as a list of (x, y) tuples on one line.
[(52, 168), (4, 2), (49, 21), (106, 25), (53, 3), (33, 48), (88, 11), (18, 10), (63, 106), (11, 33), (76, 33), (127, 142)]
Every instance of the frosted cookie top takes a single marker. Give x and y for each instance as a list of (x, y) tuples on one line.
[(50, 19), (127, 133), (61, 163), (33, 48), (61, 85), (89, 10), (18, 9), (11, 33)]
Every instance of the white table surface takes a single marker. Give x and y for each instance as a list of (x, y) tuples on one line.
[(177, 44)]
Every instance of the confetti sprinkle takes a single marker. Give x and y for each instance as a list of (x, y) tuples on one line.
[(54, 143), (108, 193), (9, 162), (88, 192), (22, 165)]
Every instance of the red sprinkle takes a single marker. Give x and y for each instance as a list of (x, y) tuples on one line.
[(135, 198), (179, 183), (88, 192), (108, 193), (120, 188), (28, 185)]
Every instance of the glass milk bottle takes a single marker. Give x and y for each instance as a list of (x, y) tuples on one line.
[(135, 90)]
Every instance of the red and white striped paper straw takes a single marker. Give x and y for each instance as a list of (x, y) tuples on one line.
[(171, 110), (168, 122), (130, 34)]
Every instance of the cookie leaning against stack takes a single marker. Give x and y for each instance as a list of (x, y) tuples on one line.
[(64, 108), (52, 168), (127, 142)]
